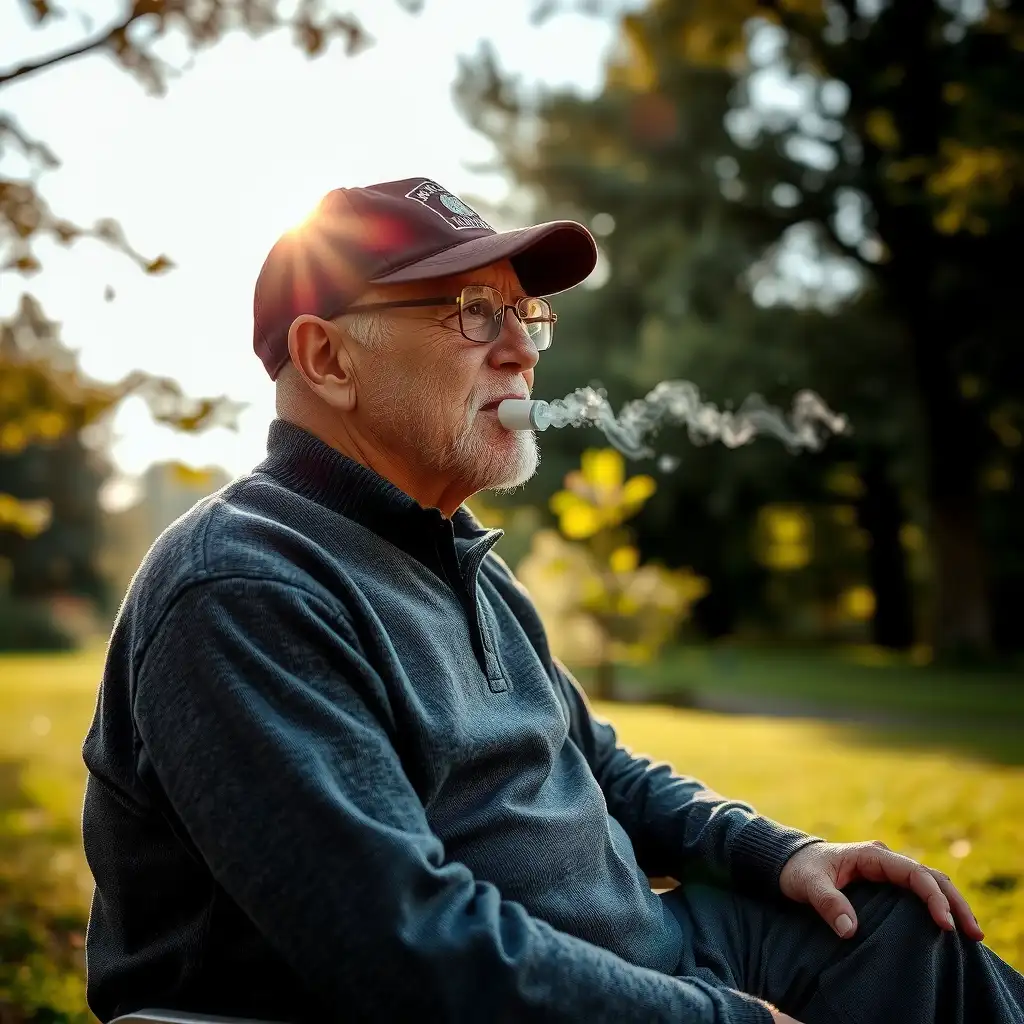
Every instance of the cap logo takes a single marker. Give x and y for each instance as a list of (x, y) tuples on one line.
[(452, 210)]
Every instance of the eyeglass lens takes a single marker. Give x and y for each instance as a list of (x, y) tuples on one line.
[(482, 311)]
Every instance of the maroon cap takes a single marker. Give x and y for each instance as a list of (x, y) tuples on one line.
[(411, 230)]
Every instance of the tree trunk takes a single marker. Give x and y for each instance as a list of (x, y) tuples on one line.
[(880, 513), (961, 617)]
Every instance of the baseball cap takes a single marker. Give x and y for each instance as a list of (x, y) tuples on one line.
[(399, 231)]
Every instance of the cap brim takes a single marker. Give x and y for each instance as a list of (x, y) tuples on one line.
[(548, 258)]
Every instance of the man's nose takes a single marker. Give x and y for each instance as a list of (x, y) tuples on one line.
[(514, 346)]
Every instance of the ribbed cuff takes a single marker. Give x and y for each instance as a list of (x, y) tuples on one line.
[(745, 1009), (760, 850)]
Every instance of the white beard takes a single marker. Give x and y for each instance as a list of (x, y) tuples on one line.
[(493, 467)]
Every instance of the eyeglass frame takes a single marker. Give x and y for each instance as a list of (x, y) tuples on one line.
[(371, 307)]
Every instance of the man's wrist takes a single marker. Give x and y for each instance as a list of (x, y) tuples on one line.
[(760, 850)]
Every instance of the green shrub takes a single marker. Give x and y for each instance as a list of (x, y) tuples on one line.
[(30, 626)]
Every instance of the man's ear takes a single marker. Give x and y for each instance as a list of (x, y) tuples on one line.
[(320, 354)]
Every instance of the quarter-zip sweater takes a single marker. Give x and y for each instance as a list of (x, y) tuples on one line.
[(336, 774)]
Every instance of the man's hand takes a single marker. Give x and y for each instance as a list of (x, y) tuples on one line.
[(816, 873), (781, 1018)]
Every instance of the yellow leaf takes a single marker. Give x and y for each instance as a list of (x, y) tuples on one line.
[(954, 92), (786, 557), (903, 170), (579, 521), (844, 480), (634, 67), (50, 425), (636, 652), (690, 586), (12, 438), (187, 476), (912, 537), (786, 524), (881, 129), (624, 559), (858, 603), (29, 518), (562, 501), (637, 490), (951, 219), (698, 44), (603, 469)]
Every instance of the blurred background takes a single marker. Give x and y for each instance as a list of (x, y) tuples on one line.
[(794, 194)]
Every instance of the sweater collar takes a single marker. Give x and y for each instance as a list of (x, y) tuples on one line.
[(308, 466)]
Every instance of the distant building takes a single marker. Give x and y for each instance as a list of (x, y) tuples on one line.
[(167, 491), (170, 489)]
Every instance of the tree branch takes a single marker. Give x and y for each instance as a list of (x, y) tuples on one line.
[(30, 147), (96, 43)]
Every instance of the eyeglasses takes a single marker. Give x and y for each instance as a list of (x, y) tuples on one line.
[(481, 312)]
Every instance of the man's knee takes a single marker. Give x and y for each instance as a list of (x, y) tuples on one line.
[(898, 910)]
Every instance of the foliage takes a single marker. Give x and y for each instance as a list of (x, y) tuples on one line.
[(133, 42), (51, 415), (518, 523), (29, 625), (864, 225), (52, 421), (600, 605)]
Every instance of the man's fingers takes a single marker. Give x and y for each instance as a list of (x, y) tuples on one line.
[(960, 907), (834, 907), (883, 865)]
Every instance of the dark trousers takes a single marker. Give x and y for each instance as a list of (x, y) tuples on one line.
[(900, 967)]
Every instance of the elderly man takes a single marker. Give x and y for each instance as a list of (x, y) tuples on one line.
[(335, 772)]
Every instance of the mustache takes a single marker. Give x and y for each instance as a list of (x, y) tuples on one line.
[(518, 389)]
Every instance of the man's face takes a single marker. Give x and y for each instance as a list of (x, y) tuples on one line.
[(423, 397)]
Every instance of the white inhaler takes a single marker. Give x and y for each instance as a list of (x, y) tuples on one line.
[(524, 414)]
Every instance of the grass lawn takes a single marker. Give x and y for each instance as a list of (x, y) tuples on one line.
[(952, 805)]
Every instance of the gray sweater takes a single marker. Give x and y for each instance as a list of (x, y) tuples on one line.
[(336, 774)]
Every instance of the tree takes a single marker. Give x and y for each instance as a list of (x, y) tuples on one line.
[(651, 182), (904, 164), (51, 416), (131, 41)]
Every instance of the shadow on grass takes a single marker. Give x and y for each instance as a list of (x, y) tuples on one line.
[(982, 738), (979, 714), (998, 743)]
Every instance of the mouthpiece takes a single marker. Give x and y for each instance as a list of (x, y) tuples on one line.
[(524, 414)]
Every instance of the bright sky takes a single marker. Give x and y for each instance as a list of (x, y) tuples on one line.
[(242, 146)]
